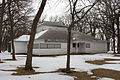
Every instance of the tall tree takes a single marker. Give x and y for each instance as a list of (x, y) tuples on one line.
[(1, 21), (74, 13), (28, 65), (20, 11), (12, 28), (118, 30)]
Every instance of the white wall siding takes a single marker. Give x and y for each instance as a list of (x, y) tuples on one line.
[(62, 50), (20, 47), (97, 47)]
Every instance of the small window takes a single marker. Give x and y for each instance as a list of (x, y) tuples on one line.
[(78, 45), (57, 45), (42, 46), (88, 45), (50, 45), (74, 45), (36, 46)]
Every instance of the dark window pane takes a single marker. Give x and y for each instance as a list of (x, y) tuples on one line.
[(74, 45), (78, 45)]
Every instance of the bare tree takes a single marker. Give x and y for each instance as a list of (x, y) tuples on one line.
[(74, 13), (109, 10), (1, 20), (118, 30), (20, 11), (28, 65), (12, 28)]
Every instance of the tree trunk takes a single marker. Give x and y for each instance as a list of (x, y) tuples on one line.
[(12, 29), (68, 50), (1, 20), (113, 36), (118, 36), (108, 44), (28, 65)]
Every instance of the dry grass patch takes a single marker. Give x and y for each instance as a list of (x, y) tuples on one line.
[(22, 71), (81, 76), (1, 62), (117, 55), (107, 73), (97, 62), (9, 60), (76, 75), (101, 62)]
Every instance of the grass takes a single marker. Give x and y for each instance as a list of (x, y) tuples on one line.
[(9, 60), (106, 73), (75, 74), (1, 62), (22, 71), (117, 55), (101, 62)]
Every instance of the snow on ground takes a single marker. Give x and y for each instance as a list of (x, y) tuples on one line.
[(105, 79), (48, 64)]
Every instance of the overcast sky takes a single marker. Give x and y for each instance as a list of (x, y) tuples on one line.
[(53, 7)]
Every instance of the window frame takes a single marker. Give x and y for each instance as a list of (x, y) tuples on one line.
[(87, 45)]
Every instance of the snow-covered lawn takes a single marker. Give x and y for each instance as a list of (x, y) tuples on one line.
[(48, 64)]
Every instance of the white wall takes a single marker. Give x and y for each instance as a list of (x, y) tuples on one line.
[(62, 50), (20, 47), (97, 47)]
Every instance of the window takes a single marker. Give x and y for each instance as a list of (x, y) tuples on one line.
[(87, 45), (57, 45), (74, 45), (49, 46), (78, 45), (42, 45), (36, 46)]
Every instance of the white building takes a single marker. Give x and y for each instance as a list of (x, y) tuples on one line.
[(50, 40)]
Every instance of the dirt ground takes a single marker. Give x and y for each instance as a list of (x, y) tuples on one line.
[(101, 62), (106, 73)]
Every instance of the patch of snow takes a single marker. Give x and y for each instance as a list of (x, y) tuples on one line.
[(110, 52), (117, 62), (48, 64), (27, 37), (93, 76), (23, 38), (106, 79), (111, 66), (89, 73), (40, 33), (47, 76)]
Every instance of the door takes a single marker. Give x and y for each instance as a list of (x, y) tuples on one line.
[(80, 47)]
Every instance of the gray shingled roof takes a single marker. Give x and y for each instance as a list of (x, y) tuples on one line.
[(62, 35), (83, 37), (55, 35)]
